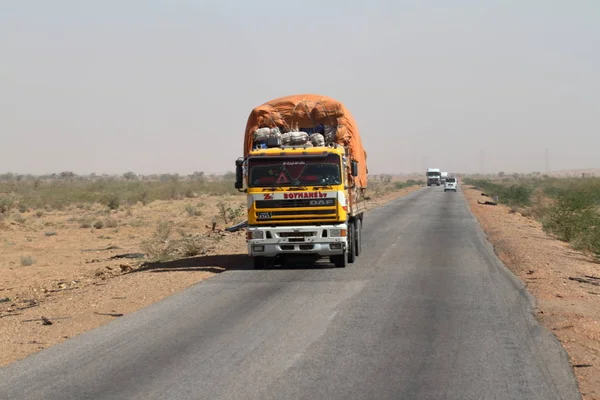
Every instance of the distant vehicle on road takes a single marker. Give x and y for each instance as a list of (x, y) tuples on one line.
[(451, 184), (443, 177), (434, 176)]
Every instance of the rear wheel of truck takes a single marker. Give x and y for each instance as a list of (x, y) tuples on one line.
[(351, 242), (357, 237)]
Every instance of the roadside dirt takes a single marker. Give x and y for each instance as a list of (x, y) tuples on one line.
[(565, 282), (58, 280)]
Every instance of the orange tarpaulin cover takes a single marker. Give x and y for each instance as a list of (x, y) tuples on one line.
[(307, 111)]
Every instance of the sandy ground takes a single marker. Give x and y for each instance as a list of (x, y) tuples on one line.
[(565, 283), (59, 279)]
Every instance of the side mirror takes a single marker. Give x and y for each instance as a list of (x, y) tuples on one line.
[(239, 174), (354, 167)]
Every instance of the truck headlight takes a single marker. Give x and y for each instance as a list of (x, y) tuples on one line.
[(256, 235), (336, 232)]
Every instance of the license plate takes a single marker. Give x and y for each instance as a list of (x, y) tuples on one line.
[(264, 215)]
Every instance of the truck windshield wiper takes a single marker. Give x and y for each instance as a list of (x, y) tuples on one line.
[(323, 187), (272, 188), (297, 188)]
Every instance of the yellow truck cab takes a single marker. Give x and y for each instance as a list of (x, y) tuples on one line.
[(300, 205)]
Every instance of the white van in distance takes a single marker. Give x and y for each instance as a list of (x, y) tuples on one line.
[(451, 184)]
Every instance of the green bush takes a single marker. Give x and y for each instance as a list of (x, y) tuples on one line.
[(575, 217), (192, 211), (27, 261), (114, 201), (6, 203), (228, 214), (159, 246), (408, 183), (111, 223), (574, 213), (517, 194), (98, 225)]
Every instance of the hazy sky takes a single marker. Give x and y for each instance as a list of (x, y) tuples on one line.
[(166, 86)]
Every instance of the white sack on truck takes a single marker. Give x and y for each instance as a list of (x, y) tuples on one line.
[(294, 138)]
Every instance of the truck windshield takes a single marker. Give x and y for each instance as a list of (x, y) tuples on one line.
[(433, 174), (294, 171)]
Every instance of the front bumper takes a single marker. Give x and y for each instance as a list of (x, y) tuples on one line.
[(297, 240)]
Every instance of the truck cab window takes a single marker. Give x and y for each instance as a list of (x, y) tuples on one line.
[(296, 172)]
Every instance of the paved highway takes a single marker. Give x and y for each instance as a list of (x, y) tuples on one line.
[(426, 312)]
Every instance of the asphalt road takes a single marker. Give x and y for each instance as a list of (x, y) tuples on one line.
[(426, 312)]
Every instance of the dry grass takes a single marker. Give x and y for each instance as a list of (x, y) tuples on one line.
[(384, 184), (568, 208), (61, 191)]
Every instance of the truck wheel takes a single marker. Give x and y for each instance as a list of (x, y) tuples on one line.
[(357, 237), (340, 261), (351, 242)]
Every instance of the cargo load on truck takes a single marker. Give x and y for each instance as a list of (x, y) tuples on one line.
[(308, 120)]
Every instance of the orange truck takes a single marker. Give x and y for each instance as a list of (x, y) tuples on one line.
[(305, 174)]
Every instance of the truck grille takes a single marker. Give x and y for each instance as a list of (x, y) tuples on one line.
[(295, 210), (295, 203), (301, 212)]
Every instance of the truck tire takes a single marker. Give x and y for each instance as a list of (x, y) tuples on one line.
[(358, 237), (351, 242), (340, 261)]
